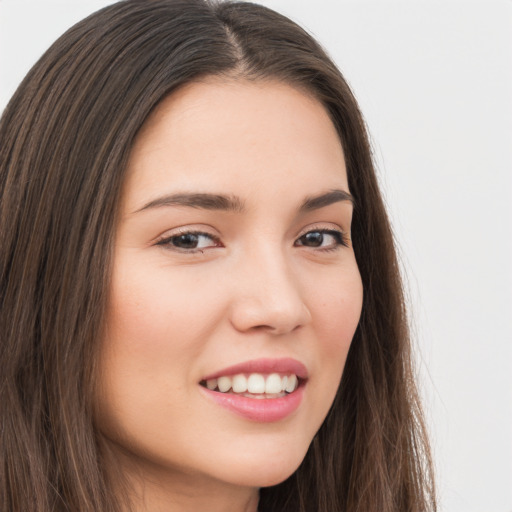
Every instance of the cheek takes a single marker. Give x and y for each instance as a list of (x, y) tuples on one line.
[(336, 310), (152, 334), (336, 307), (153, 313)]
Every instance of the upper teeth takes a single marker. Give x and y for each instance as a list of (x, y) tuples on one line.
[(254, 383)]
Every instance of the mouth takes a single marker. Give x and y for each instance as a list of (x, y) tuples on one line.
[(263, 390), (254, 385)]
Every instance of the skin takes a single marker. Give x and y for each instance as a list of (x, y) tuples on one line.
[(255, 287)]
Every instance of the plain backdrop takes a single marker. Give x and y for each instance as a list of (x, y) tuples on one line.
[(434, 81)]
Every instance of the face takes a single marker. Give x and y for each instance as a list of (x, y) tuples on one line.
[(235, 292)]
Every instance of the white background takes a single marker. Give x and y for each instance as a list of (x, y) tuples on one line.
[(434, 80)]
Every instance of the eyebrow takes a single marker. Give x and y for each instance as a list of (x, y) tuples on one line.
[(207, 201), (197, 200), (325, 199)]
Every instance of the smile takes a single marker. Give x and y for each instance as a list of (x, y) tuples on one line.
[(263, 390), (254, 385)]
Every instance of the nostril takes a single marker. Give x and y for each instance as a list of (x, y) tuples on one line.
[(276, 323), (274, 304)]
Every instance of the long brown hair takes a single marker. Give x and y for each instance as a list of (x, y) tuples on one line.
[(65, 140)]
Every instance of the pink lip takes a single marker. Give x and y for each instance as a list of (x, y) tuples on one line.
[(285, 365), (265, 409)]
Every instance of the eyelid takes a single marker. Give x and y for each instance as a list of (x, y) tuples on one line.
[(326, 228), (165, 239), (199, 229)]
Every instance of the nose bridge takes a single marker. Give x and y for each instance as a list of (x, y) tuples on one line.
[(268, 292)]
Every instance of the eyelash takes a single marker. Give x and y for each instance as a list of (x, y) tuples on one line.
[(168, 241), (340, 237)]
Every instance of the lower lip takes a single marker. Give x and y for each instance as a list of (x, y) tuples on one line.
[(263, 410)]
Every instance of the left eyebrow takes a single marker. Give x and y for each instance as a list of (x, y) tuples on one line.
[(197, 200), (325, 199)]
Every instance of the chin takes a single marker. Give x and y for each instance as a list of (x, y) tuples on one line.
[(266, 472), (275, 477)]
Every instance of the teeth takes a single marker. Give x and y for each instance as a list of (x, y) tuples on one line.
[(239, 384), (273, 384), (255, 384), (224, 384), (291, 385)]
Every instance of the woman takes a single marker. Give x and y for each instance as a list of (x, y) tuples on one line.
[(200, 301)]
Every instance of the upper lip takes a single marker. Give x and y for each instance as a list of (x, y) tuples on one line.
[(285, 365)]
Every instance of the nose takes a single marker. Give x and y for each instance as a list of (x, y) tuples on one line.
[(268, 297)]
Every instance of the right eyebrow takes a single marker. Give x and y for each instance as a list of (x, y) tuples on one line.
[(322, 200), (197, 200)]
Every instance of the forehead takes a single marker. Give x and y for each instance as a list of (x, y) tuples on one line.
[(236, 134)]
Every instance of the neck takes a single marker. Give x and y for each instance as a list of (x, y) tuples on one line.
[(152, 497)]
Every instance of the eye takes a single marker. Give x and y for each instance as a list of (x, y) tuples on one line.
[(326, 239), (190, 241)]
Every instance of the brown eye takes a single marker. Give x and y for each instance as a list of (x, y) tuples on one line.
[(325, 239), (186, 241), (191, 241), (313, 239)]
